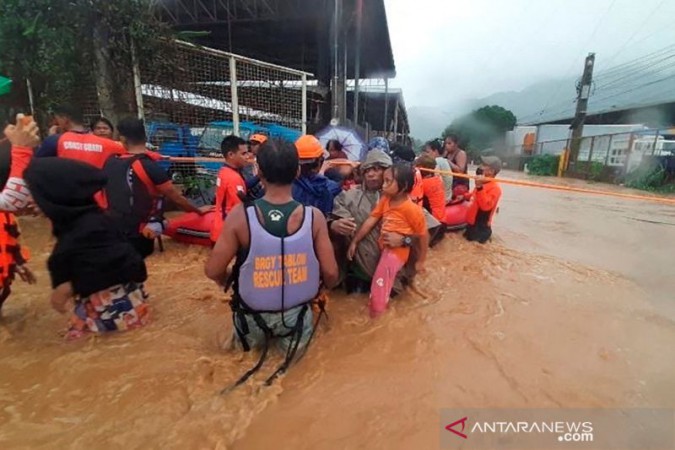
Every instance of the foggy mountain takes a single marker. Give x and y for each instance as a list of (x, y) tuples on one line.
[(555, 99), (556, 95)]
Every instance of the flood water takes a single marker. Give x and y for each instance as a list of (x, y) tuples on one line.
[(571, 305)]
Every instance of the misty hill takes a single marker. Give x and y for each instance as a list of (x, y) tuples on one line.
[(555, 99), (428, 122)]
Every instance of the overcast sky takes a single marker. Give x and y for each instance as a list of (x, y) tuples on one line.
[(448, 50)]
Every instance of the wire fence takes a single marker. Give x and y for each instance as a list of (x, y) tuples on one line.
[(616, 153), (200, 85), (199, 95)]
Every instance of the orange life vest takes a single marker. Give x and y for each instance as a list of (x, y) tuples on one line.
[(11, 252)]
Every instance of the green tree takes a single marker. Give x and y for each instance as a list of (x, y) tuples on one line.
[(481, 128), (70, 49), (417, 144), (37, 45)]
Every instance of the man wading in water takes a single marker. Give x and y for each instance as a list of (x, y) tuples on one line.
[(283, 255)]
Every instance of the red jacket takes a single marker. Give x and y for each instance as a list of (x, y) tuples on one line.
[(484, 201), (434, 196), (87, 148), (229, 185)]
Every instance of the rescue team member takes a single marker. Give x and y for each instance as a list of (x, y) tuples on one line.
[(76, 142), (399, 214), (283, 254), (458, 163), (312, 188), (484, 200), (92, 267), (255, 142), (15, 153), (136, 188), (230, 184), (435, 150), (433, 191)]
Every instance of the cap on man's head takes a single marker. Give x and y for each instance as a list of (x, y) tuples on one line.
[(492, 161), (376, 158), (309, 148), (258, 139)]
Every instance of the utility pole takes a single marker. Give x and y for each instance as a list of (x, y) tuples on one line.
[(357, 60), (583, 92), (339, 51)]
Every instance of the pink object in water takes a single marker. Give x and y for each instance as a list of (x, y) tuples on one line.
[(383, 282)]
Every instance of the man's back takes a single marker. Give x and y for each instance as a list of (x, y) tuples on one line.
[(80, 146), (132, 189), (279, 258)]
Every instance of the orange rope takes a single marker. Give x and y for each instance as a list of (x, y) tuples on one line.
[(187, 159), (668, 201)]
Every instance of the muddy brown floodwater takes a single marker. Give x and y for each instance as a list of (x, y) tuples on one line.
[(572, 305)]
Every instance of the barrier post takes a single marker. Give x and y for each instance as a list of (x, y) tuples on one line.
[(304, 103), (234, 95)]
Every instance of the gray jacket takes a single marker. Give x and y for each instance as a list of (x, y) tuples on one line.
[(357, 203)]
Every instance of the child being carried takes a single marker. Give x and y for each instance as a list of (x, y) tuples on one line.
[(399, 215)]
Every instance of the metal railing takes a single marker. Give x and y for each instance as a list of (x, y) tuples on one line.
[(201, 85), (623, 151)]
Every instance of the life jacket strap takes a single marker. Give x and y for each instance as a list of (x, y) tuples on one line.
[(239, 313)]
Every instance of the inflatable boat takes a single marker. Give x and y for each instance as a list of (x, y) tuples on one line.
[(455, 216), (191, 228)]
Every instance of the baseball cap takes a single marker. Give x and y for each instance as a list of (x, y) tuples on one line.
[(259, 138), (309, 147), (492, 161), (376, 158)]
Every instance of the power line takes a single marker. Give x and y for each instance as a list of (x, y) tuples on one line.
[(551, 114), (560, 107), (637, 30), (638, 63), (615, 78), (637, 75), (636, 88), (600, 100)]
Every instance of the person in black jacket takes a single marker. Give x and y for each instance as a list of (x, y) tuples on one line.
[(92, 266)]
